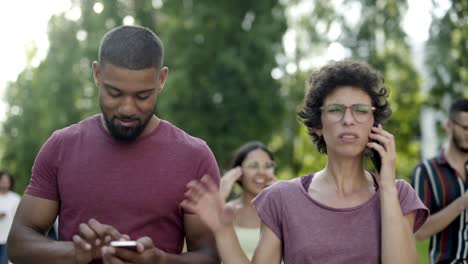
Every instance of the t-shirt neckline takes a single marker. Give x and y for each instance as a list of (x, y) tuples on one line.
[(304, 183), (139, 139)]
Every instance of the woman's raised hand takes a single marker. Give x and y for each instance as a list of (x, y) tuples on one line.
[(204, 199), (228, 180)]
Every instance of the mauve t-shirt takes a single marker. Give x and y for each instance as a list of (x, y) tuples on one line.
[(136, 187), (312, 232)]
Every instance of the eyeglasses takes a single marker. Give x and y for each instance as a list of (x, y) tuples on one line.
[(464, 127), (254, 166), (335, 112)]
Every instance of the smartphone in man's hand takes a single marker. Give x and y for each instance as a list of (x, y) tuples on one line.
[(129, 245)]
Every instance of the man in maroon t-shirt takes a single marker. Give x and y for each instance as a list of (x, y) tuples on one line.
[(117, 175)]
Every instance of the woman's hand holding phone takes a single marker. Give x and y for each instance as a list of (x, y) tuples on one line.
[(375, 156), (383, 143)]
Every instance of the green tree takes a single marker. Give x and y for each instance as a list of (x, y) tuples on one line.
[(447, 53), (41, 100), (220, 88), (294, 151), (221, 55)]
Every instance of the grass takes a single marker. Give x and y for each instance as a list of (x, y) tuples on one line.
[(423, 251)]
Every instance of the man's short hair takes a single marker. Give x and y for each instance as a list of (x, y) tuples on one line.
[(131, 47), (460, 105)]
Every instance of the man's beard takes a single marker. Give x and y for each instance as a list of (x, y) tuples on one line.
[(127, 134), (457, 142)]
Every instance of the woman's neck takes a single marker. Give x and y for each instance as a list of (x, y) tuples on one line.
[(346, 176), (246, 214)]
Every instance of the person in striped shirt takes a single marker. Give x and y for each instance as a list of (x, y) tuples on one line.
[(441, 183)]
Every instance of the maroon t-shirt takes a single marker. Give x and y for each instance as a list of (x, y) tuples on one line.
[(312, 232), (136, 187)]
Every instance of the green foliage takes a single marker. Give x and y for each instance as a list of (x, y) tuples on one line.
[(220, 88), (447, 53), (41, 100), (221, 56)]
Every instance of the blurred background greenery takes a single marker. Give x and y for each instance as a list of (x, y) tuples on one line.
[(238, 71)]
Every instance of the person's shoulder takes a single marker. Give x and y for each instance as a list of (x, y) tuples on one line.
[(402, 184), (283, 185), (437, 159), (76, 129), (176, 135)]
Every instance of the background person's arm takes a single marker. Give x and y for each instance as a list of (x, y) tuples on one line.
[(443, 216), (440, 220), (228, 180)]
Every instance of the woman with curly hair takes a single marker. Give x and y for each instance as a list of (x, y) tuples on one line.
[(342, 213)]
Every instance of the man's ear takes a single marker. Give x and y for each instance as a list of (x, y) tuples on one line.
[(96, 72), (448, 126), (163, 73)]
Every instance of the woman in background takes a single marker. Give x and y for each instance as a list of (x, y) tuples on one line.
[(253, 168)]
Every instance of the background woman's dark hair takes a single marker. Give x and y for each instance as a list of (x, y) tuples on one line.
[(244, 150), (9, 176), (342, 73)]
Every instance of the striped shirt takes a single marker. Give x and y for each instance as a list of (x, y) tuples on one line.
[(438, 185)]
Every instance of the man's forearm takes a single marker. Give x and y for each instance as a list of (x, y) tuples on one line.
[(29, 247), (439, 221)]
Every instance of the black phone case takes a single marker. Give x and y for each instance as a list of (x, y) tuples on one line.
[(376, 159), (375, 156)]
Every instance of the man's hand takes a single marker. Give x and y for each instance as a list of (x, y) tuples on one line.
[(91, 238), (146, 253)]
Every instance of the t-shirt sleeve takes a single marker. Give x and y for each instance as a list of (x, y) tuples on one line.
[(410, 202), (269, 207), (43, 181), (208, 165)]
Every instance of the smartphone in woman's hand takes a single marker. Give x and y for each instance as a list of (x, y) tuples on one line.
[(375, 156)]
